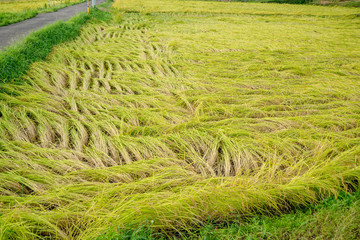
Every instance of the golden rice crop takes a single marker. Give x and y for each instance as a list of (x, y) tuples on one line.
[(178, 117), (23, 5)]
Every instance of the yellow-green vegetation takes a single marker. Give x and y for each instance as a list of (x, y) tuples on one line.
[(330, 219), (178, 113), (17, 59), (22, 5), (345, 3), (218, 7), (12, 11)]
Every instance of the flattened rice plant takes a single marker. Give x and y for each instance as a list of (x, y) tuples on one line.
[(174, 117)]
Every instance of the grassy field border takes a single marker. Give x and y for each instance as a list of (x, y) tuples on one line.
[(7, 18), (16, 59)]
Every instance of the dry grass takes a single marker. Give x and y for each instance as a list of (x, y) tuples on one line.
[(178, 118)]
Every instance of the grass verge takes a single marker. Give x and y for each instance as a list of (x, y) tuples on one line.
[(16, 59), (7, 18)]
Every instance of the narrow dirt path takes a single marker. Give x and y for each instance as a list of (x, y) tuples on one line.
[(14, 32)]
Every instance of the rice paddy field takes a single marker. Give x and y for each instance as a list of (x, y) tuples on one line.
[(12, 11), (177, 113), (21, 5)]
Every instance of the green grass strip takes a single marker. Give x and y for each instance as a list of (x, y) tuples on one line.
[(7, 18), (16, 60)]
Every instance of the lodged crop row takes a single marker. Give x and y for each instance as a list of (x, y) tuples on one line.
[(174, 119)]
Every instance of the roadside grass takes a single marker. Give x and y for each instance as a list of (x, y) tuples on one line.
[(181, 117), (16, 11), (7, 18), (16, 59)]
